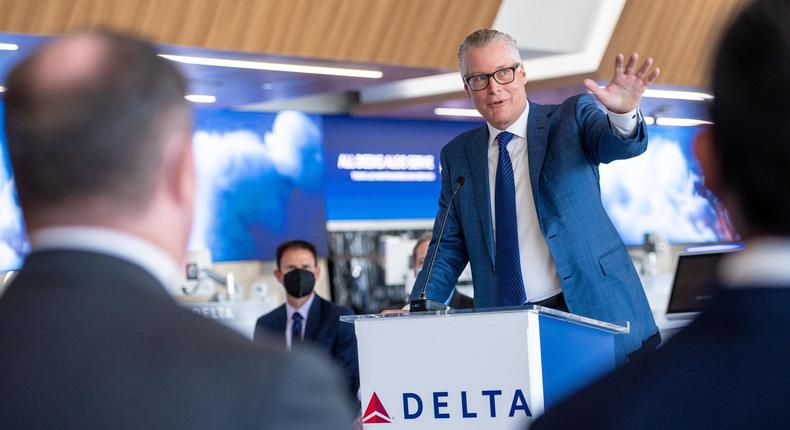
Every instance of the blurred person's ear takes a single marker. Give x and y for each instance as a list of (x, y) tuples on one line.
[(279, 275), (708, 158)]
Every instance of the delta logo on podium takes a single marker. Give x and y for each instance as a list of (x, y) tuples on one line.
[(375, 413)]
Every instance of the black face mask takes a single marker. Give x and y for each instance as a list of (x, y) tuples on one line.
[(299, 282)]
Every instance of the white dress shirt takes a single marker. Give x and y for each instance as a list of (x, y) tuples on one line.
[(304, 311), (133, 249), (537, 265)]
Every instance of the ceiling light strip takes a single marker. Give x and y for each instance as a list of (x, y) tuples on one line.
[(677, 95), (8, 46), (198, 98), (456, 112), (674, 94), (681, 122), (275, 67)]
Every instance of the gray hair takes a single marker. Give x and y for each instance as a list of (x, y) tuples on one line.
[(485, 37)]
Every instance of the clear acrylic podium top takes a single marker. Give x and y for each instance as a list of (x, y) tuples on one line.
[(623, 328)]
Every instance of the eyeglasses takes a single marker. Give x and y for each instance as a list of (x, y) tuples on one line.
[(502, 76)]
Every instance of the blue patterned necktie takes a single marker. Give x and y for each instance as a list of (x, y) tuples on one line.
[(510, 284), (296, 328)]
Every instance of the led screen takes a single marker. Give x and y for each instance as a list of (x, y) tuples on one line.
[(260, 182), (662, 191), (13, 240), (383, 169)]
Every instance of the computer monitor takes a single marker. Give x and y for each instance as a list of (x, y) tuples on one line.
[(694, 282)]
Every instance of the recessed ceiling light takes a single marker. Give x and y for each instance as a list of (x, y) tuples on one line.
[(276, 67), (197, 98), (456, 112), (2, 89), (8, 46)]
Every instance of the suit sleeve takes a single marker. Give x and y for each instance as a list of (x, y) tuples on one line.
[(452, 256), (601, 142)]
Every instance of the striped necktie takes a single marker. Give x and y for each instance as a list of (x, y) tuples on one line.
[(509, 281)]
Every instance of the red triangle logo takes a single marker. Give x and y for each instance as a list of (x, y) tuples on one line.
[(375, 413)]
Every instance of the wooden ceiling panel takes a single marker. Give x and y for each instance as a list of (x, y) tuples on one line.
[(679, 34), (419, 33)]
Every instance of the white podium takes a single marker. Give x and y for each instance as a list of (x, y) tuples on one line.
[(474, 369)]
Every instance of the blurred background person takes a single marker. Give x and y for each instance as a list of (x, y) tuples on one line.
[(457, 300), (306, 317)]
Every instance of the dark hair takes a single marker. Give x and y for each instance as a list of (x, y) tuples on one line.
[(751, 112), (295, 244), (99, 136)]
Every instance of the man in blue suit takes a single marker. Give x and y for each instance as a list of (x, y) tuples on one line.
[(530, 221), (306, 317), (728, 368)]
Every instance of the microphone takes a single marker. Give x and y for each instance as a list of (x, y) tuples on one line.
[(423, 304)]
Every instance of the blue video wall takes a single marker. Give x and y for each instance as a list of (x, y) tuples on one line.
[(382, 169), (14, 245), (259, 183), (264, 178), (662, 191)]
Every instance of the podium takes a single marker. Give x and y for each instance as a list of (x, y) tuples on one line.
[(481, 368)]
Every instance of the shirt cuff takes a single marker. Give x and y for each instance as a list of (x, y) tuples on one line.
[(624, 123)]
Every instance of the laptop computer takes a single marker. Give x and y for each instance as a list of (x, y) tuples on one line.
[(693, 283)]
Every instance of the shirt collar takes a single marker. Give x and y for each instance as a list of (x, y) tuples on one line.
[(763, 262), (303, 311), (135, 250), (519, 128)]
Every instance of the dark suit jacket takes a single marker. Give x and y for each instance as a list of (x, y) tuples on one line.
[(91, 341), (566, 143), (728, 369), (461, 301), (324, 329)]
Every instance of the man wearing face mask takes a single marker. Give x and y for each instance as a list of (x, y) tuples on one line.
[(306, 317)]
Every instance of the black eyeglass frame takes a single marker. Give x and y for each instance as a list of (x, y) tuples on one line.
[(492, 75)]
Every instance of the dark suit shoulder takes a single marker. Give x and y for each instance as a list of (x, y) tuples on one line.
[(458, 143), (700, 375), (273, 316)]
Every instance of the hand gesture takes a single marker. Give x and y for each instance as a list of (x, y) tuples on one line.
[(623, 93)]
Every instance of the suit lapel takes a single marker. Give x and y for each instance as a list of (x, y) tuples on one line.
[(477, 154), (537, 133), (313, 319)]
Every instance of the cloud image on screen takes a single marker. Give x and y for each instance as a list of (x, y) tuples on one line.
[(13, 239), (662, 191), (259, 183)]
